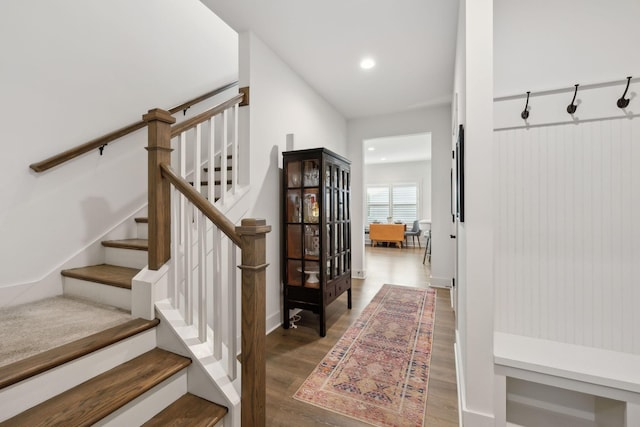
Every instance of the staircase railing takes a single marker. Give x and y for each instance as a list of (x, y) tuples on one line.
[(201, 244), (102, 141)]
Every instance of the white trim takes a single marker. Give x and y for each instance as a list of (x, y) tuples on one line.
[(459, 378), (465, 415), (359, 274), (273, 322), (440, 282)]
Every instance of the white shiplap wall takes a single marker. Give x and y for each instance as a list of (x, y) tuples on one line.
[(567, 233)]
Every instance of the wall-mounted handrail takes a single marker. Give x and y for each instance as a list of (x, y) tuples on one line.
[(198, 200), (117, 134)]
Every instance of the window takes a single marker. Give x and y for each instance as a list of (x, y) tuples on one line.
[(399, 201), (378, 202)]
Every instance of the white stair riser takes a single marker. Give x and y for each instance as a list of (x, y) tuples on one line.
[(35, 390), (142, 230), (144, 407), (97, 292), (217, 174), (216, 191), (126, 257)]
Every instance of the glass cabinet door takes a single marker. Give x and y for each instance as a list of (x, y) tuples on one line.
[(294, 175)]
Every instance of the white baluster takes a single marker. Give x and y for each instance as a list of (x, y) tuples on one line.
[(202, 278), (223, 157), (197, 163), (232, 282), (175, 246), (188, 273), (217, 293), (234, 151), (182, 221), (211, 189)]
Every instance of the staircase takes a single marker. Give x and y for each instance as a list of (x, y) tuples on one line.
[(117, 377), (178, 277)]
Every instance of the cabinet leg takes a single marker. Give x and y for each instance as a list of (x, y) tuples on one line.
[(323, 326), (349, 298), (285, 323)]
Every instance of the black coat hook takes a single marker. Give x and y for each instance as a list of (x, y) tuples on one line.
[(624, 102), (571, 108), (525, 112)]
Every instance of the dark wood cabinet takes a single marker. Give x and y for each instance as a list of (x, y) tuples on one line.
[(317, 231)]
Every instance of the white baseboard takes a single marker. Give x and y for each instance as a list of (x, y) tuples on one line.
[(359, 274), (440, 282), (459, 378), (273, 322), (466, 416)]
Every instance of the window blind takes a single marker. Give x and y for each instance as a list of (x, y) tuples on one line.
[(399, 201)]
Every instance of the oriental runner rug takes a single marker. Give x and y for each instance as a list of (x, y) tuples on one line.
[(378, 372)]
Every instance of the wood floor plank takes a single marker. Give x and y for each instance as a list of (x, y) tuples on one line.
[(34, 365), (189, 411), (98, 397), (293, 354), (113, 275)]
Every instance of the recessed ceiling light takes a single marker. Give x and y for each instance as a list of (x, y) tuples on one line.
[(367, 63), (372, 149), (383, 159)]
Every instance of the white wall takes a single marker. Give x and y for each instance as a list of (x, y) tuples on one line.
[(548, 44), (473, 83), (436, 120), (405, 172), (71, 71), (566, 256), (281, 103)]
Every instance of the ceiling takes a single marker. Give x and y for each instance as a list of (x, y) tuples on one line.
[(398, 149), (412, 41)]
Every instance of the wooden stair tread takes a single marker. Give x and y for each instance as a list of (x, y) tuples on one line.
[(189, 411), (113, 275), (142, 220), (98, 397), (38, 363), (135, 244)]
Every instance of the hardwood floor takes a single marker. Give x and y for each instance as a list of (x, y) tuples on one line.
[(292, 354)]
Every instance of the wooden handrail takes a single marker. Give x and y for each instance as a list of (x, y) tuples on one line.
[(201, 98), (112, 136), (195, 120), (210, 211)]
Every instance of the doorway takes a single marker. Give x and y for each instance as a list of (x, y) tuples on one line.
[(397, 180)]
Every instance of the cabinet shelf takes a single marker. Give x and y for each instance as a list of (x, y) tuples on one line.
[(317, 231)]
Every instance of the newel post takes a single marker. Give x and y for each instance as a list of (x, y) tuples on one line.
[(253, 235), (159, 127)]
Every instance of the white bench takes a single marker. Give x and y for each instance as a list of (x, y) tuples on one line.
[(611, 378)]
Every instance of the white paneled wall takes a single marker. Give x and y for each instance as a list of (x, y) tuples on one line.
[(567, 233)]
